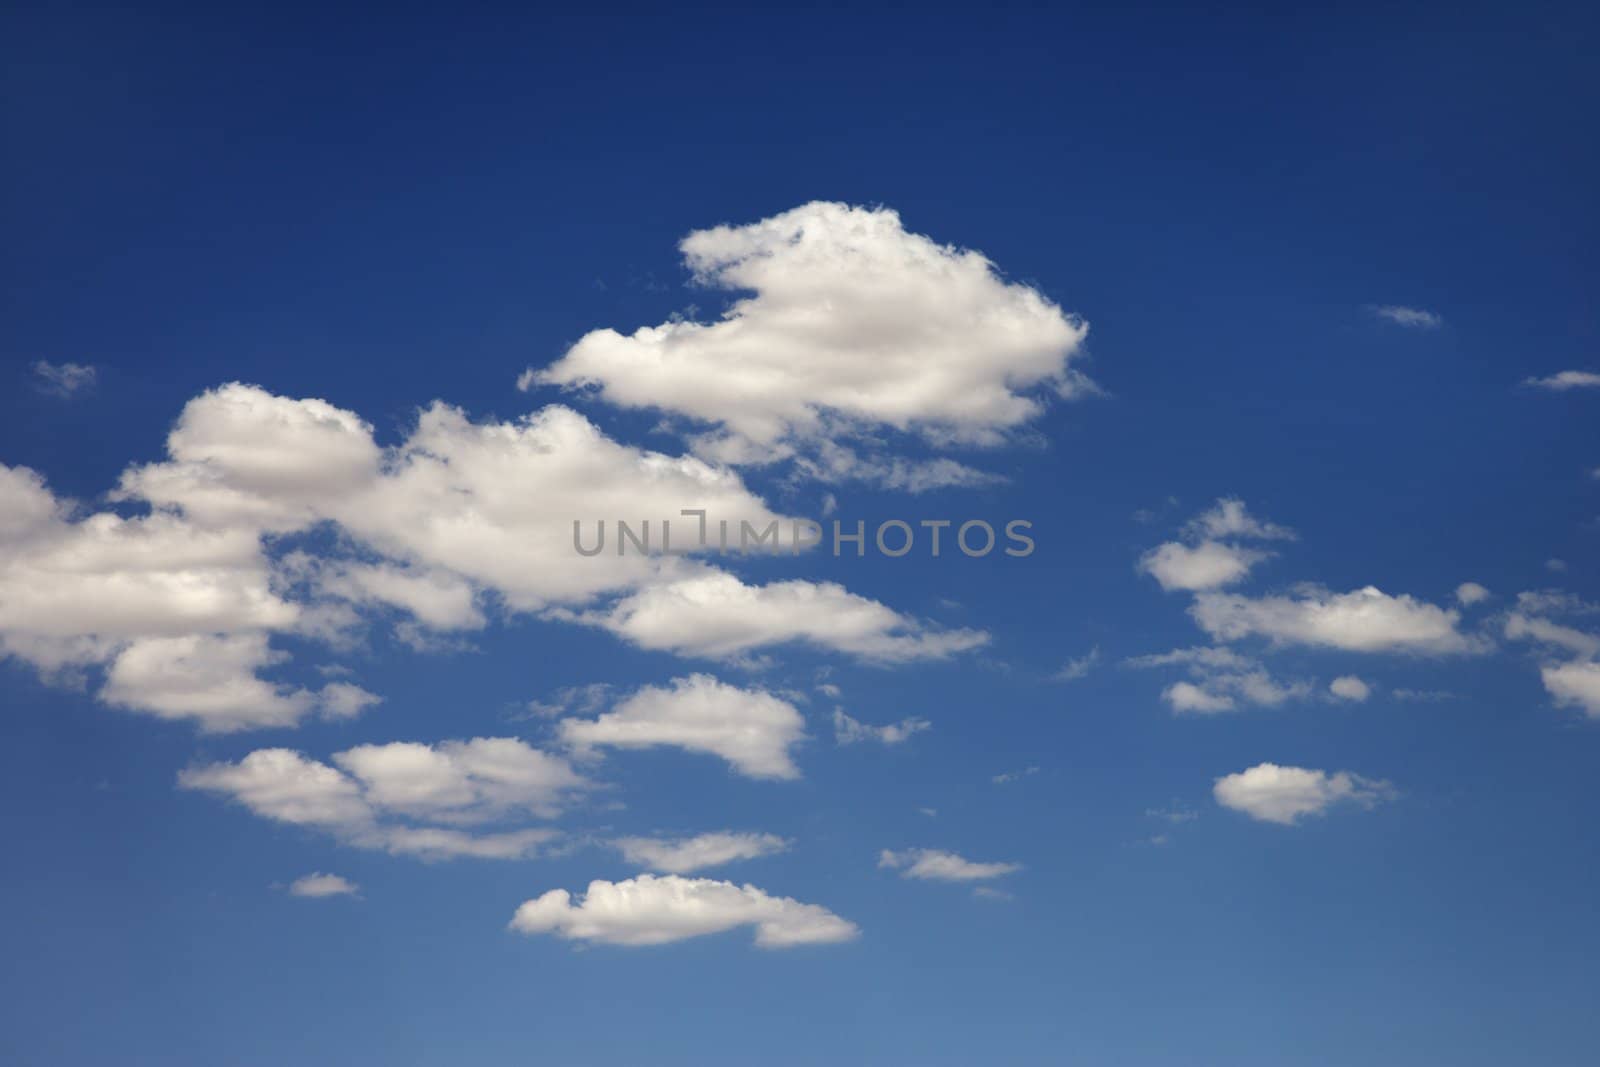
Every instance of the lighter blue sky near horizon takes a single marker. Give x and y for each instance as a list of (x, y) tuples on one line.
[(1280, 330)]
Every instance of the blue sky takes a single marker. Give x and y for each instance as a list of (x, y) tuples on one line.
[(1279, 329)]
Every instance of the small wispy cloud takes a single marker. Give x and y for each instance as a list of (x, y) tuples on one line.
[(63, 379), (323, 885), (1411, 318), (1078, 668), (1565, 380)]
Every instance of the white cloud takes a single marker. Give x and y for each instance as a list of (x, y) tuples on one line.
[(1223, 691), (1229, 517), (323, 885), (1469, 593), (1414, 318), (1186, 696), (1205, 561), (1349, 687), (1519, 627), (1198, 658), (750, 728), (687, 854), (717, 616), (1565, 380), (854, 324), (1078, 667), (848, 731), (394, 796), (1007, 777), (928, 863), (1207, 565), (461, 782), (211, 680), (181, 607), (1366, 620), (1575, 684), (658, 910), (1283, 795), (63, 379)]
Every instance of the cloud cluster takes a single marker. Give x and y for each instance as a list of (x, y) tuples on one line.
[(404, 798), (660, 909), (1206, 561), (179, 605), (852, 325), (1569, 671)]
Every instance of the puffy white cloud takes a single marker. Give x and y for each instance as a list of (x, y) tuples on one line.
[(323, 885), (1283, 795), (211, 680), (658, 910), (1187, 696), (1469, 593), (1349, 687), (1366, 620), (686, 854), (1208, 565), (1565, 380), (715, 615), (242, 457), (63, 379), (280, 784), (750, 728), (462, 781), (1414, 318), (855, 323), (1575, 684), (941, 866), (393, 793), (849, 731)]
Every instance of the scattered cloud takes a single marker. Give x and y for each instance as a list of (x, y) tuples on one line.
[(687, 854), (1469, 593), (1283, 795), (1079, 667), (1014, 776), (63, 379), (1229, 517), (848, 731), (932, 864), (658, 910)]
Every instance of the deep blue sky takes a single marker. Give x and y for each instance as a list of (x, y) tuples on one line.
[(384, 210)]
